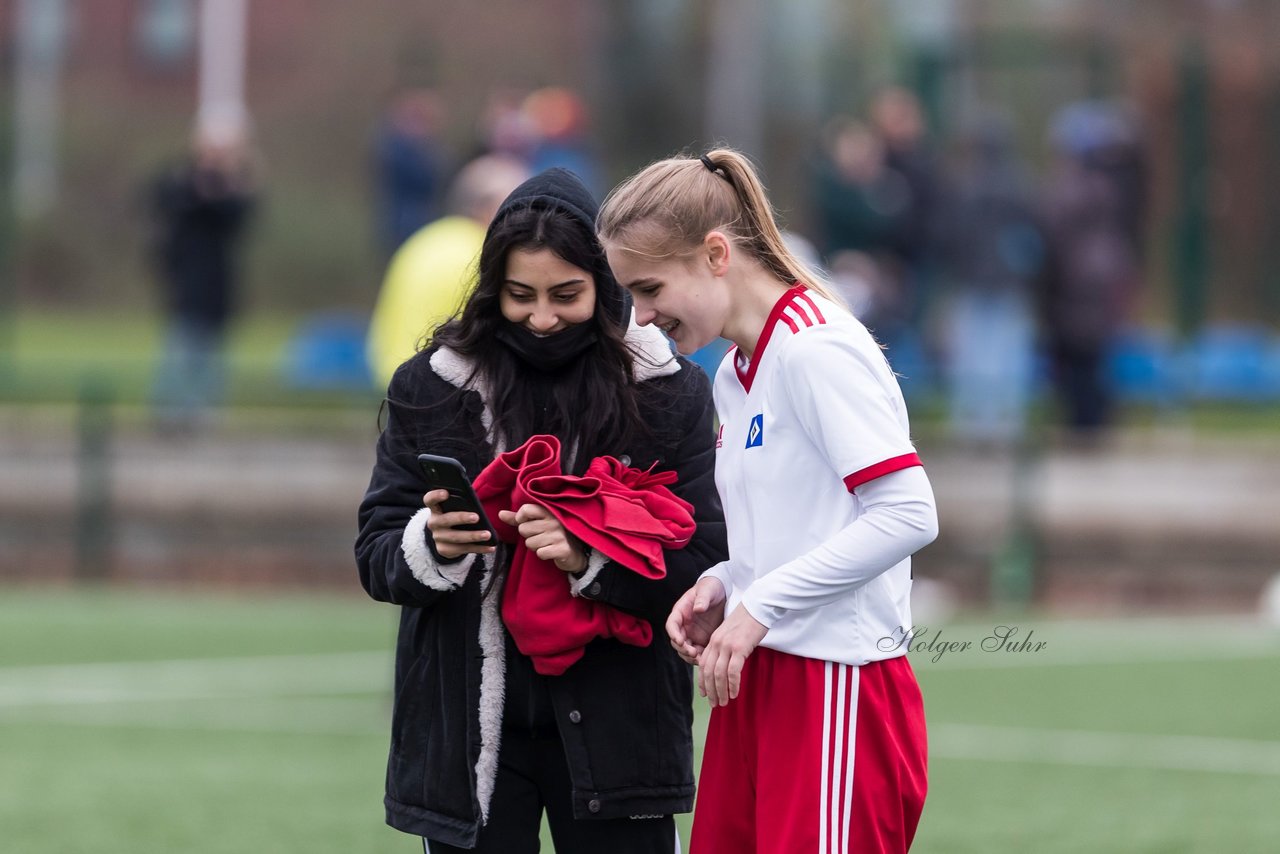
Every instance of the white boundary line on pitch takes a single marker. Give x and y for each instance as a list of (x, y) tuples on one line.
[(975, 658), (196, 679), (310, 716), (371, 672), (291, 715), (1070, 643), (1105, 749)]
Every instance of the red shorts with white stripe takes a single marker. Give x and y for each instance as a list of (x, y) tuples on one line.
[(813, 756)]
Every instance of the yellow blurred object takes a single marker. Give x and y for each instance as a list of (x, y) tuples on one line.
[(426, 282)]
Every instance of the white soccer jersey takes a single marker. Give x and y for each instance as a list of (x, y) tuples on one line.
[(816, 413)]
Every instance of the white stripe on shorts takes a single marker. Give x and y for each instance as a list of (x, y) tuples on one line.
[(838, 731)]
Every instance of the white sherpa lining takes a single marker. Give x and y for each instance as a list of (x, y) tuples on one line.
[(492, 690), (595, 563), (423, 564)]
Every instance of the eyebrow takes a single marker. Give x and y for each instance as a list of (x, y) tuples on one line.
[(648, 280), (555, 287)]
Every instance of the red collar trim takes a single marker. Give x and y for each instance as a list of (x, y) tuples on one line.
[(775, 315)]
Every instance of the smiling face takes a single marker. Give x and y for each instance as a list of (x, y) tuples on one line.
[(544, 293), (682, 296)]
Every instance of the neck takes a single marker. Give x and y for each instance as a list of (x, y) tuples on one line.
[(755, 295)]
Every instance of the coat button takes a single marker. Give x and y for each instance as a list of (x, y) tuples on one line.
[(625, 460), (594, 589), (593, 805), (576, 717)]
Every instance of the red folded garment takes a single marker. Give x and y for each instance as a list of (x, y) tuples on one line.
[(627, 514)]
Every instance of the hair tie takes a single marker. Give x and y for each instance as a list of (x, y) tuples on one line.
[(706, 161)]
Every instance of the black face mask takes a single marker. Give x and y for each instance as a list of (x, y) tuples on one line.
[(547, 353)]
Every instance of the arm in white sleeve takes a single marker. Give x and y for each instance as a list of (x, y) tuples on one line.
[(720, 571), (898, 519)]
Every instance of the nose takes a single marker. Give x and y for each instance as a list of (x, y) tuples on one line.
[(644, 316), (543, 321)]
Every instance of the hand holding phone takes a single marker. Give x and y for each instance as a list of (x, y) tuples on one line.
[(458, 524)]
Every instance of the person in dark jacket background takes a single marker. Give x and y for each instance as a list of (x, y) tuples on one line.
[(200, 208), (481, 743)]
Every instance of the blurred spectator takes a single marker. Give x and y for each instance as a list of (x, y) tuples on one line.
[(431, 274), (1092, 214), (859, 200), (859, 197), (557, 119), (1108, 135), (409, 165), (503, 128), (898, 121), (199, 208), (991, 254)]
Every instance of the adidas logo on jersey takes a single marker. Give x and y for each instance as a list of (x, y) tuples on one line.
[(755, 433)]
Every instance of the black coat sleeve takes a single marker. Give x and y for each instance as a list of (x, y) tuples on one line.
[(393, 498), (691, 454)]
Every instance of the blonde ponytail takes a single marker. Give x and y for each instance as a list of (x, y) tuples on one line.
[(667, 209)]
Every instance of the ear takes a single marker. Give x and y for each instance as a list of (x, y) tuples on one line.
[(718, 250)]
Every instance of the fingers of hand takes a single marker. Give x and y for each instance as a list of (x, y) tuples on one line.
[(706, 669), (720, 678), (734, 676), (451, 549), (446, 527), (680, 617), (553, 552), (452, 541), (540, 533), (434, 498), (532, 512), (707, 593), (675, 630), (721, 664), (456, 537)]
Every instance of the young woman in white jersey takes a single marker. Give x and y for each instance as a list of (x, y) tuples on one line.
[(817, 736)]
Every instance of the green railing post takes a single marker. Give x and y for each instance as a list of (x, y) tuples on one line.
[(94, 530), (1014, 566), (1269, 287), (1191, 222)]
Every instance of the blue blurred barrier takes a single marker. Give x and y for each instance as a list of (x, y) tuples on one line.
[(327, 352), (1143, 365), (709, 357), (1271, 368), (1223, 363), (1228, 363)]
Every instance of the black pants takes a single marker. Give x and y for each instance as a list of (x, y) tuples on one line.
[(1080, 372), (532, 776)]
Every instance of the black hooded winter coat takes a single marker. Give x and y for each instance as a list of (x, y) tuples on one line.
[(623, 713)]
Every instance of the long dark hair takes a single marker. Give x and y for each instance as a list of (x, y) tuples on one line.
[(592, 404)]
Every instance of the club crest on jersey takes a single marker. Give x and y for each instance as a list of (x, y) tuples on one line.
[(755, 433)]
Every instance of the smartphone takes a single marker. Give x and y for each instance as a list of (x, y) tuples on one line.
[(448, 474)]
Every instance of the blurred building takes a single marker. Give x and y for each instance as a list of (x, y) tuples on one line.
[(658, 77)]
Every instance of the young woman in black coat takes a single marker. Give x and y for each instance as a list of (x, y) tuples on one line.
[(482, 743)]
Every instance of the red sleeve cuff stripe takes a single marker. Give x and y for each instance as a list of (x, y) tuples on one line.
[(880, 469)]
